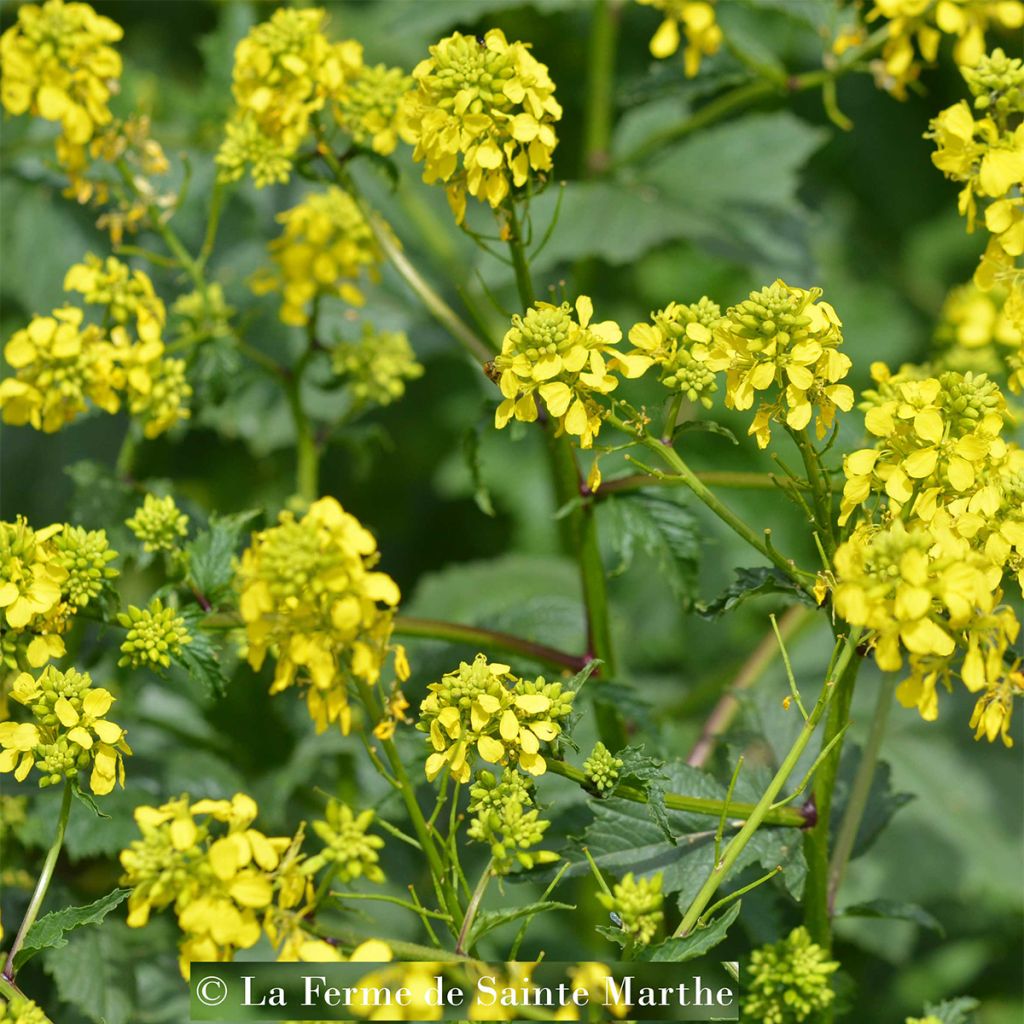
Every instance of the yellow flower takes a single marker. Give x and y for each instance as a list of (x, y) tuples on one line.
[(677, 341), (158, 523), (367, 106), (564, 361), (325, 247), (483, 708), (126, 294), (481, 117), (637, 902), (31, 577), (70, 731), (783, 340), (697, 20), (285, 71), (308, 594), (348, 849), (58, 64)]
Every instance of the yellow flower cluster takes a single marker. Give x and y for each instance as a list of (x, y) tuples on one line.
[(975, 332), (18, 1009), (566, 361), (285, 71), (983, 148), (697, 20), (309, 595), (224, 878), (784, 340), (62, 363), (367, 108), (155, 635), (325, 247), (638, 902), (46, 576), (481, 117), (941, 503), (484, 708), (917, 27), (158, 523), (789, 981), (677, 340), (58, 64), (377, 366), (69, 734), (348, 850)]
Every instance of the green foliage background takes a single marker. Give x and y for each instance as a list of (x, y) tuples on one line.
[(778, 191)]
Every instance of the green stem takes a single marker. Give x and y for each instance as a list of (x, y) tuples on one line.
[(435, 629), (474, 905), (432, 301), (821, 493), (784, 816), (43, 883), (816, 840), (861, 790), (597, 117), (736, 480), (420, 911), (212, 223), (763, 806), (307, 469), (423, 832), (690, 479)]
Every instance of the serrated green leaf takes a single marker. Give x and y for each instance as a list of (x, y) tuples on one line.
[(954, 1011), (752, 583), (51, 931), (697, 943), (211, 554), (487, 920), (200, 659), (896, 910), (647, 771), (663, 529), (93, 973)]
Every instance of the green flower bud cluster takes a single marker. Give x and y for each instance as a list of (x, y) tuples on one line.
[(52, 687), (204, 312), (788, 980), (347, 846), (637, 902), (60, 760), (367, 108), (84, 555), (997, 82), (968, 398), (19, 1010), (602, 768), (159, 524), (155, 635), (377, 366), (506, 820)]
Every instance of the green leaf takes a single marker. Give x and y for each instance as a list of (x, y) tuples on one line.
[(86, 799), (954, 1011), (640, 768), (697, 943), (752, 583), (211, 554), (710, 426), (882, 802), (93, 973), (200, 659), (664, 530), (487, 920), (471, 453), (893, 909), (51, 931)]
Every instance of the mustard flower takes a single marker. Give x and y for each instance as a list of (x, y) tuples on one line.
[(126, 295), (377, 366), (68, 734), (85, 556), (285, 71), (158, 523), (483, 708), (155, 635), (224, 878), (677, 341), (788, 981), (309, 595), (19, 1009), (367, 106), (783, 344), (58, 64), (975, 332), (914, 30), (481, 117), (638, 902), (348, 849), (326, 246), (505, 818), (697, 20), (564, 361), (31, 578)]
